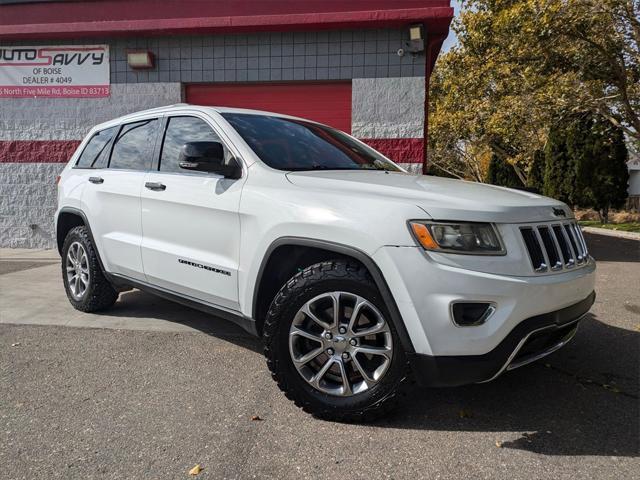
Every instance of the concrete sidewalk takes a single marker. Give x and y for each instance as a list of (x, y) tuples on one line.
[(612, 233), (17, 254), (37, 297)]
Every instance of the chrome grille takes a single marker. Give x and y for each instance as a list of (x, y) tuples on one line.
[(554, 246)]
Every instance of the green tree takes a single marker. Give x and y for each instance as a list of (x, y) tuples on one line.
[(586, 163), (597, 42), (501, 173), (579, 139), (535, 179), (521, 64), (560, 171), (600, 157)]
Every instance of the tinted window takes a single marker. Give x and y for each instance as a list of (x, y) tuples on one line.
[(181, 130), (96, 153), (288, 144), (134, 145)]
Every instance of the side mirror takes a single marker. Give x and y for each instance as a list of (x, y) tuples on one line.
[(208, 157)]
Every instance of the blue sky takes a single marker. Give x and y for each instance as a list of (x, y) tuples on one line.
[(451, 39)]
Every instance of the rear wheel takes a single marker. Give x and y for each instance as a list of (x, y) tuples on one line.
[(87, 288), (331, 346)]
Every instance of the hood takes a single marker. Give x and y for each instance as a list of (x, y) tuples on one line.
[(440, 198)]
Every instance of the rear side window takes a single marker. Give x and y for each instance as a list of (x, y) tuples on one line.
[(96, 153), (133, 147), (181, 130)]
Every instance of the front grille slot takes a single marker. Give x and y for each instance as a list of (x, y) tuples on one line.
[(534, 249), (572, 241), (563, 243), (582, 245), (554, 246), (550, 247), (575, 243)]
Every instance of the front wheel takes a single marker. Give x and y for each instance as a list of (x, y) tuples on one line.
[(331, 346)]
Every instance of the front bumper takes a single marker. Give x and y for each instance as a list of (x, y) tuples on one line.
[(425, 290), (530, 340)]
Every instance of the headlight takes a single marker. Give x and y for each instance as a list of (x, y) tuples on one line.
[(453, 237)]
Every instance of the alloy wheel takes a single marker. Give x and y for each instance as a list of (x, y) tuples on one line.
[(77, 267), (340, 343)]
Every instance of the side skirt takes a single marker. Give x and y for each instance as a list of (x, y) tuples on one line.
[(247, 324)]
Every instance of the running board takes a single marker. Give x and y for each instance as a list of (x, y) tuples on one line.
[(246, 323)]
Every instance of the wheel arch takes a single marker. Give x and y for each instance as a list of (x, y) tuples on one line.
[(68, 218), (299, 252)]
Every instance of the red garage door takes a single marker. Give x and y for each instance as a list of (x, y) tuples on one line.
[(328, 103)]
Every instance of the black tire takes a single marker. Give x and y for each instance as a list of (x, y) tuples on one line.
[(336, 275), (99, 293)]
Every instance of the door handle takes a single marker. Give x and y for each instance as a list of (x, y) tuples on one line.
[(157, 186), (96, 179)]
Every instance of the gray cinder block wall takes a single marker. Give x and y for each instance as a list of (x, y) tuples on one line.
[(28, 193)]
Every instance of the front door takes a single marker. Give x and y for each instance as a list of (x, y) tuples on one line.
[(190, 221)]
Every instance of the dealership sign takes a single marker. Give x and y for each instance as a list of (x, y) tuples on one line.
[(65, 71)]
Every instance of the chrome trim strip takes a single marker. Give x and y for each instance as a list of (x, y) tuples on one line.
[(567, 338), (521, 343), (543, 249), (554, 237), (582, 240), (574, 254), (580, 253), (542, 267)]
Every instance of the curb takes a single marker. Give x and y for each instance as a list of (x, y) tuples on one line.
[(612, 233), (35, 254)]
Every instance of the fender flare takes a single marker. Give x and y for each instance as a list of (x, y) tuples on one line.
[(81, 214), (349, 251)]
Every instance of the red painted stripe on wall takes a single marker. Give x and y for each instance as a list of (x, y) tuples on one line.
[(37, 151), (401, 150)]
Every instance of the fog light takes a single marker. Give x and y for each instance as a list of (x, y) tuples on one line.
[(471, 314)]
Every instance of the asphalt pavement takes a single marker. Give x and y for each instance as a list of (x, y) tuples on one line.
[(149, 389)]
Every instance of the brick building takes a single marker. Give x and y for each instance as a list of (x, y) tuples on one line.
[(359, 65)]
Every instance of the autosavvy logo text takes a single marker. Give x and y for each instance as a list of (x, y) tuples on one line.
[(80, 71), (28, 56)]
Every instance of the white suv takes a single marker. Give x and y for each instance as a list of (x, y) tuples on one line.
[(349, 268)]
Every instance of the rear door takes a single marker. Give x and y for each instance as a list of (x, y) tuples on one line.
[(190, 219), (112, 197), (91, 162)]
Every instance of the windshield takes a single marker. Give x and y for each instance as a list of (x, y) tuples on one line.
[(294, 145)]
